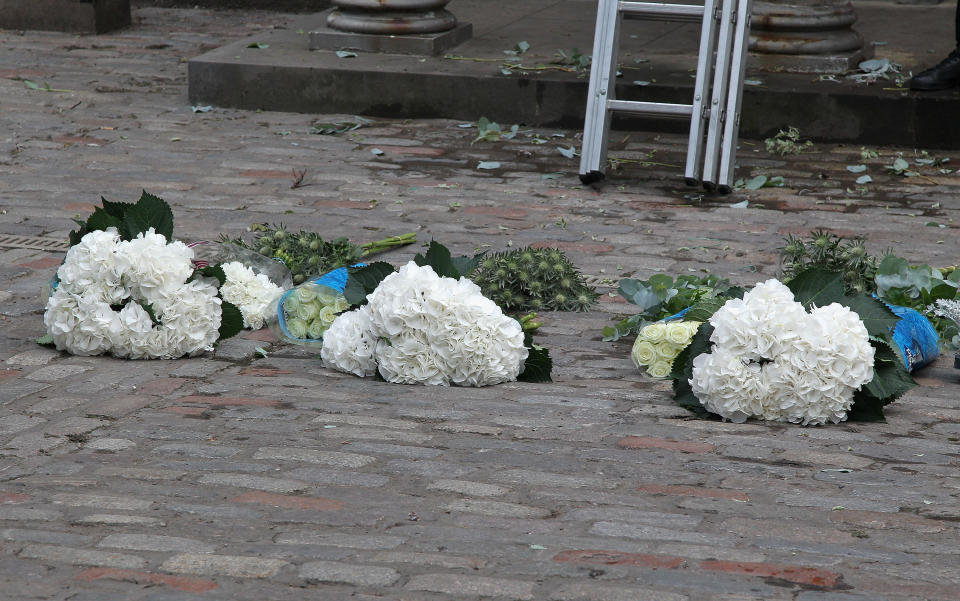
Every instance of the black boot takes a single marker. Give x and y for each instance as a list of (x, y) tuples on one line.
[(943, 76)]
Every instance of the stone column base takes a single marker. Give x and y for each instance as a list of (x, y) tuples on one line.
[(90, 16), (426, 44)]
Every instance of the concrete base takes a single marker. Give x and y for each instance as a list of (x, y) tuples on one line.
[(811, 63), (287, 76), (326, 38), (91, 16)]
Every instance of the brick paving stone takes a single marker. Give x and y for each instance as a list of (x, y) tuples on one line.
[(280, 485), (225, 565), (353, 541), (180, 583), (101, 501), (598, 592), (83, 557), (110, 445), (52, 373), (357, 575), (468, 488), (117, 520), (153, 542), (453, 584), (332, 458), (496, 508)]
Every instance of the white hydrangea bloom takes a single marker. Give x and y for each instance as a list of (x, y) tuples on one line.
[(249, 291), (81, 324), (773, 360), (436, 331), (349, 343), (102, 271), (152, 265), (91, 267)]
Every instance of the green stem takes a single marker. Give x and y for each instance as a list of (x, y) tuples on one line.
[(387, 243)]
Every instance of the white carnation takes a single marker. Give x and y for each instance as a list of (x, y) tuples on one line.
[(249, 291), (349, 343)]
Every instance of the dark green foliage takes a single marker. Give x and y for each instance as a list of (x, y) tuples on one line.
[(129, 219), (662, 296), (537, 367), (534, 279), (364, 280), (443, 264), (231, 321), (307, 254)]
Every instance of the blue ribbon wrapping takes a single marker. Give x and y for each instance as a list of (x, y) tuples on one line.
[(336, 279)]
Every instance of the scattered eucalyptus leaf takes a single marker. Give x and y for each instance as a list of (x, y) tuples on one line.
[(488, 165), (856, 168)]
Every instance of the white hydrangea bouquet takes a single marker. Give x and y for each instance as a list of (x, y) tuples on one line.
[(126, 288), (427, 324), (659, 343), (803, 353)]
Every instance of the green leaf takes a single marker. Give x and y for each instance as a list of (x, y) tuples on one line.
[(466, 265), (151, 312), (816, 286), (876, 316), (45, 340), (364, 280), (683, 368), (866, 408), (537, 367), (438, 257), (890, 378), (117, 209), (150, 211), (231, 320), (639, 293), (100, 220), (704, 310), (211, 271)]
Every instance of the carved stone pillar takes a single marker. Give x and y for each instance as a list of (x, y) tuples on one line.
[(394, 26), (806, 36)]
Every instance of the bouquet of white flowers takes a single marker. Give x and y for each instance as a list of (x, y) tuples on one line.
[(658, 344), (126, 289), (767, 356), (420, 328)]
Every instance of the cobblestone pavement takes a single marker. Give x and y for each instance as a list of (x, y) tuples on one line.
[(237, 477)]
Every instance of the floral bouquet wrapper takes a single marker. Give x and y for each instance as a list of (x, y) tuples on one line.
[(302, 315)]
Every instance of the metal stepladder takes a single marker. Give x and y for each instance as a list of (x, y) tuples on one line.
[(718, 89)]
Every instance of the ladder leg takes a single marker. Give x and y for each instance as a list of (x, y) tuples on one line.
[(718, 101), (731, 128), (603, 73), (701, 93)]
